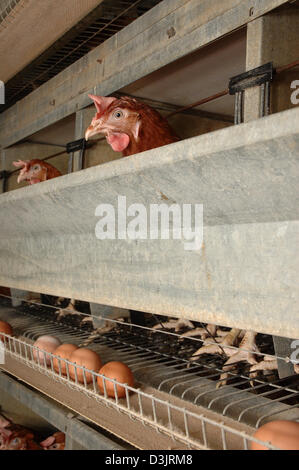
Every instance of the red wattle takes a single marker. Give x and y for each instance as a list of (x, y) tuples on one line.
[(118, 141)]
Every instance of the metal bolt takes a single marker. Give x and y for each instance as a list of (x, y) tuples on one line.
[(171, 32)]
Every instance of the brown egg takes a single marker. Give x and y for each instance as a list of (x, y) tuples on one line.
[(281, 434), (87, 358), (64, 351), (5, 328), (118, 371), (46, 343)]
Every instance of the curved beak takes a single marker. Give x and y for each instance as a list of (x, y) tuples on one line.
[(22, 177), (48, 442), (90, 131), (24, 166), (101, 103)]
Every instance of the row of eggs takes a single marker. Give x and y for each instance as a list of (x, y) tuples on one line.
[(82, 357), (86, 358)]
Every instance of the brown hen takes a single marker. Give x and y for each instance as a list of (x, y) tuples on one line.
[(129, 125), (35, 171)]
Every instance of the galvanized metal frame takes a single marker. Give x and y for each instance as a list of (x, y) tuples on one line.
[(255, 289), (61, 418), (284, 321)]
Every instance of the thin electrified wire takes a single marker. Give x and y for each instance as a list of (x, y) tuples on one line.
[(226, 91)]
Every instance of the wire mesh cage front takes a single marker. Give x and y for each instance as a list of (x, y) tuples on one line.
[(172, 394)]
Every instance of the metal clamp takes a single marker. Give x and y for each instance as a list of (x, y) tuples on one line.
[(75, 146), (3, 176), (259, 76)]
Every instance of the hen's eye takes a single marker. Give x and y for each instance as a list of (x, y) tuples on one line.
[(118, 114), (36, 168)]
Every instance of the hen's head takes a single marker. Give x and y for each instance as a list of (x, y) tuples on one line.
[(55, 442), (129, 125), (17, 438), (35, 171)]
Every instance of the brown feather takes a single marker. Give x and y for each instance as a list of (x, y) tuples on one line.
[(45, 171), (52, 172), (154, 131), (144, 126)]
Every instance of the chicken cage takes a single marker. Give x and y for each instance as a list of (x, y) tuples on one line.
[(210, 334), (181, 407)]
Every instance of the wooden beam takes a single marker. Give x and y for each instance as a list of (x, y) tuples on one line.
[(272, 38), (245, 275), (167, 32), (83, 118)]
